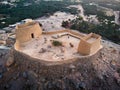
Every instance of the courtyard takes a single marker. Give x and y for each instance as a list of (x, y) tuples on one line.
[(43, 48)]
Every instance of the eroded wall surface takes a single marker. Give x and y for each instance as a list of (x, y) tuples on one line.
[(26, 33), (52, 69), (87, 48)]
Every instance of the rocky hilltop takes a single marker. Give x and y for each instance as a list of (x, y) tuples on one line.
[(99, 72)]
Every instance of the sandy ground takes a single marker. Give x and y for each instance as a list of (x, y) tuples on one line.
[(42, 48), (54, 21), (81, 11)]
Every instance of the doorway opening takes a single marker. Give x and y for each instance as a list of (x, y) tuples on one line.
[(32, 35)]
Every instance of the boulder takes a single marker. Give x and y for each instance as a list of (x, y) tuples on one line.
[(10, 62)]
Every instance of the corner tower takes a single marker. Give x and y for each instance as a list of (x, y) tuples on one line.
[(90, 44), (26, 32)]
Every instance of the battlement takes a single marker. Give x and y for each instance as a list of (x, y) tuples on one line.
[(25, 25), (25, 32)]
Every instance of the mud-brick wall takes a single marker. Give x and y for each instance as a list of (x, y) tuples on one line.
[(27, 32), (52, 70)]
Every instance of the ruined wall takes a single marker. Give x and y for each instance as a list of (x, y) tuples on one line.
[(73, 33), (55, 32), (76, 33)]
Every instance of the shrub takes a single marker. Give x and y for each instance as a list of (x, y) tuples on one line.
[(56, 43)]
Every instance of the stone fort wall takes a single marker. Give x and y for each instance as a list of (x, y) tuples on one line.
[(64, 31), (87, 48), (52, 69)]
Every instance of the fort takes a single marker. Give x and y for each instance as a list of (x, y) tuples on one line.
[(31, 40), (53, 52)]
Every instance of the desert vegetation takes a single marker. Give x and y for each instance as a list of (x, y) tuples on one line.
[(17, 13), (56, 43), (106, 28)]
